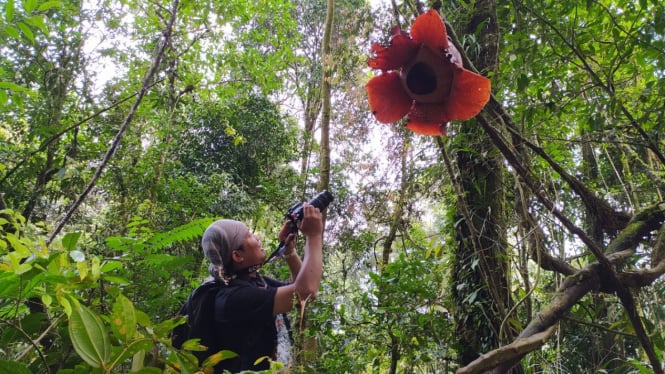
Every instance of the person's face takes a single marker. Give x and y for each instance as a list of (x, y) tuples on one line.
[(251, 252)]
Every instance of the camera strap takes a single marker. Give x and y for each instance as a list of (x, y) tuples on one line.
[(276, 253), (281, 248), (248, 270)]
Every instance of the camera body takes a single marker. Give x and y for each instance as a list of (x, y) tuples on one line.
[(295, 214)]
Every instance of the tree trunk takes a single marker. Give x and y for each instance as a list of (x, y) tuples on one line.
[(604, 350), (480, 284), (324, 166), (312, 107), (310, 347)]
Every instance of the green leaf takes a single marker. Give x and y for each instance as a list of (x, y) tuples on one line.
[(9, 85), (137, 360), (70, 239), (193, 345), (165, 327), (222, 355), (123, 319), (117, 280), (96, 268), (18, 267), (9, 10), (111, 265), (49, 4), (148, 370), (9, 284), (66, 305), (260, 360), (644, 369), (47, 300), (26, 31), (143, 319), (131, 349), (89, 337), (13, 32), (37, 21), (21, 250), (82, 268), (30, 5), (522, 82), (10, 367)]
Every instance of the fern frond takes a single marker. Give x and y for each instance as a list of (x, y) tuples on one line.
[(180, 234)]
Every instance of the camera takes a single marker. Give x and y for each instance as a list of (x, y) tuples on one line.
[(295, 214), (321, 201)]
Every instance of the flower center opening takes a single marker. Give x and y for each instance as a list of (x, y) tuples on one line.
[(421, 79)]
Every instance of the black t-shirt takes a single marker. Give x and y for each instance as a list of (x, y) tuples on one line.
[(245, 324)]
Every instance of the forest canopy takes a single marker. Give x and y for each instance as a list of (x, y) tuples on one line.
[(528, 238)]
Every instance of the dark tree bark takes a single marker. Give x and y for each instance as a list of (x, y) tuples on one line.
[(326, 110), (480, 276)]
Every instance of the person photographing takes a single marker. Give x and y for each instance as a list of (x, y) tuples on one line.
[(249, 308)]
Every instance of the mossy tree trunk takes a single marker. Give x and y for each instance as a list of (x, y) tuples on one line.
[(480, 284)]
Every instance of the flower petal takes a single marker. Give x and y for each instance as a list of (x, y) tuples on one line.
[(422, 128), (430, 113), (400, 51), (387, 99), (430, 30), (469, 94)]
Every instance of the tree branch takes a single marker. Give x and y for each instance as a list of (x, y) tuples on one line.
[(116, 142), (609, 280), (57, 135), (572, 290), (642, 278), (514, 350)]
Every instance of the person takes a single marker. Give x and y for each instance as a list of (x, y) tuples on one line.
[(250, 308)]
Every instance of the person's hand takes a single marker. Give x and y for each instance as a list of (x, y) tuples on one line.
[(288, 238), (312, 221)]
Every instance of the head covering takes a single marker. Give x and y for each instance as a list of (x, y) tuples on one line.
[(219, 240)]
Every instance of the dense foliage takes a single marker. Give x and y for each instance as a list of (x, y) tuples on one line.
[(529, 240)]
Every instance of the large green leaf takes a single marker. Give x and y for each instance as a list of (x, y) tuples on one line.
[(89, 337), (9, 367), (123, 319)]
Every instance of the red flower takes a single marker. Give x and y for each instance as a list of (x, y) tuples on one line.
[(422, 76)]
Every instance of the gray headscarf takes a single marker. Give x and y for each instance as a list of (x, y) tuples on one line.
[(219, 240)]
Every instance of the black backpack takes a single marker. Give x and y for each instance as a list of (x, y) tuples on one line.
[(199, 309)]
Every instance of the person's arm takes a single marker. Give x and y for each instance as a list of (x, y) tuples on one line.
[(290, 254), (309, 271), (294, 262)]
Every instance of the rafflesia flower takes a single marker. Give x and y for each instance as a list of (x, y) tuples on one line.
[(422, 76)]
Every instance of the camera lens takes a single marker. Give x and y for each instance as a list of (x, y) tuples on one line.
[(321, 201)]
